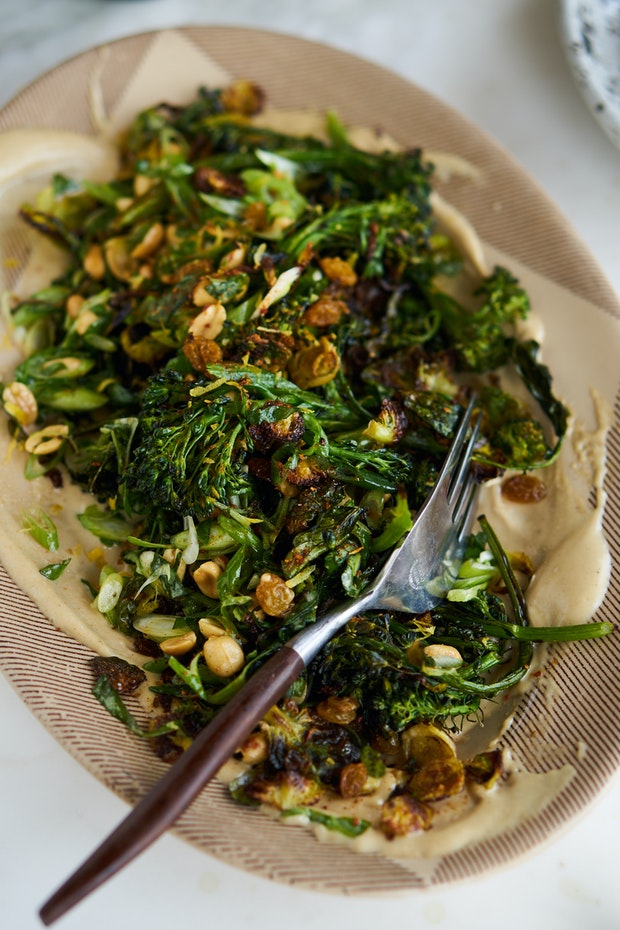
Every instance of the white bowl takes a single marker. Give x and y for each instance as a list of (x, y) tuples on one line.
[(591, 36)]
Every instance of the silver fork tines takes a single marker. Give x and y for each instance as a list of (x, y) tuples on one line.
[(462, 492), (421, 571)]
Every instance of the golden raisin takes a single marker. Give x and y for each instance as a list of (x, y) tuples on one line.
[(326, 311), (201, 353), (353, 780), (274, 595), (524, 489), (337, 269), (341, 710)]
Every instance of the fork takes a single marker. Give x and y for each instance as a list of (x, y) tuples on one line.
[(416, 576)]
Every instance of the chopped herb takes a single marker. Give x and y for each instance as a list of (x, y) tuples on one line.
[(54, 570)]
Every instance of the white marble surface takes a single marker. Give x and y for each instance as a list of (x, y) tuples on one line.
[(500, 63)]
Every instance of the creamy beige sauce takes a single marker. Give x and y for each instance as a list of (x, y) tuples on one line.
[(27, 153), (562, 534), (472, 817)]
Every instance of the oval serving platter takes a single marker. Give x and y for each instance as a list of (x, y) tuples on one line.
[(570, 716)]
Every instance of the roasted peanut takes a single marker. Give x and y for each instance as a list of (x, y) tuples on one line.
[(20, 403), (178, 645), (233, 259), (73, 305), (223, 655), (441, 656), (209, 323), (93, 263), (201, 296), (142, 185), (118, 258), (47, 440), (85, 320), (206, 577), (210, 627), (152, 240), (255, 748), (172, 557)]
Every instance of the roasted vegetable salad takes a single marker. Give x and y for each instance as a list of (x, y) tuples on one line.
[(253, 363)]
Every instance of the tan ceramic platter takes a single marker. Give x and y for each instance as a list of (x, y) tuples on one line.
[(571, 716)]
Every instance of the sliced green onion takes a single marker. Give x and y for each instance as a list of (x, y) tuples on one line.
[(348, 826), (161, 626), (111, 585), (54, 570), (41, 527)]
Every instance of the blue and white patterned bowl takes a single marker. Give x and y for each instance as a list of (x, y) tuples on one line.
[(591, 36)]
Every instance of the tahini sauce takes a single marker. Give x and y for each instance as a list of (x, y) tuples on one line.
[(562, 534)]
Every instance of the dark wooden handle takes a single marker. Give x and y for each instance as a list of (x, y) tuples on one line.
[(176, 790)]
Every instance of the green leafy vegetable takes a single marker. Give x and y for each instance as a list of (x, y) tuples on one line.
[(110, 528), (109, 698)]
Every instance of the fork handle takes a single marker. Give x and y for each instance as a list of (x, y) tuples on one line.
[(209, 751), (313, 637), (182, 782)]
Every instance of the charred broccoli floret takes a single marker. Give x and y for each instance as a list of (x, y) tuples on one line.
[(479, 336)]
